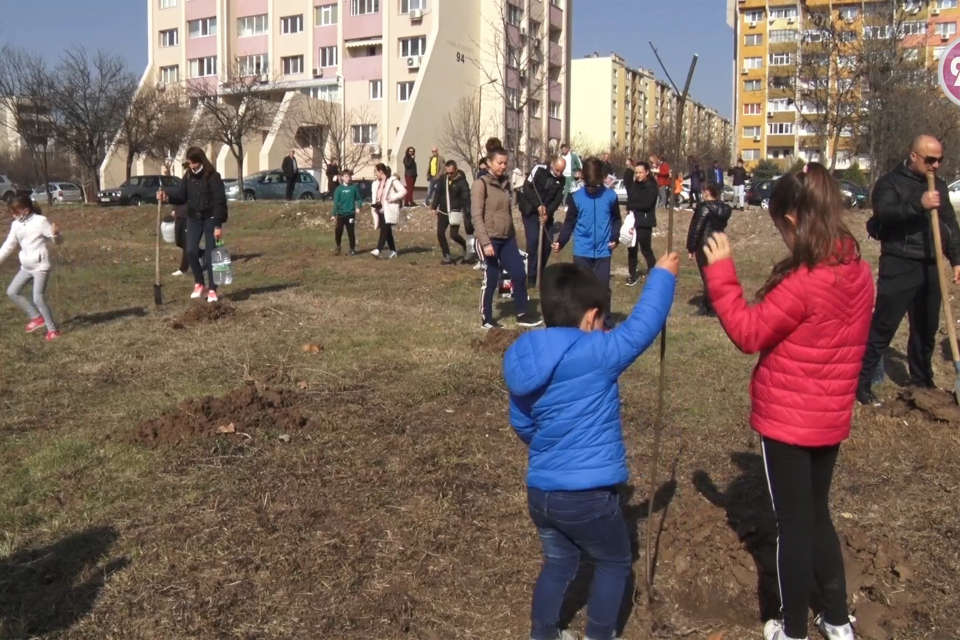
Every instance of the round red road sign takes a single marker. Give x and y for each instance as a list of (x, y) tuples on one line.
[(948, 72)]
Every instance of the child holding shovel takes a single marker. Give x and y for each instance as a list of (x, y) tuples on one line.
[(346, 207)]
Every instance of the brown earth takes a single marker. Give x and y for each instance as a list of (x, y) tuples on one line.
[(496, 341), (932, 404), (202, 313)]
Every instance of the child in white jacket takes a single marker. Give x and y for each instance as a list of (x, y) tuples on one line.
[(30, 231)]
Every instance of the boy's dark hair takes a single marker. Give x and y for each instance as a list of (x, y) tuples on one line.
[(568, 292), (451, 163), (347, 172), (592, 173), (713, 189)]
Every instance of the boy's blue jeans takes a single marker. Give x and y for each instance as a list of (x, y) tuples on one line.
[(571, 523)]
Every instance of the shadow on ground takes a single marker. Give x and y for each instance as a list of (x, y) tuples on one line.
[(241, 295), (94, 319)]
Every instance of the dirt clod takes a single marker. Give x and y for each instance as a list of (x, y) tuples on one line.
[(202, 314), (495, 341), (933, 404), (239, 414)]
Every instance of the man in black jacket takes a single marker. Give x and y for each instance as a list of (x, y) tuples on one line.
[(540, 197), (739, 175), (908, 282), (451, 206), (291, 172), (642, 195)]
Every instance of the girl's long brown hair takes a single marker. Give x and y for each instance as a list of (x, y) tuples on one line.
[(196, 154), (821, 237)]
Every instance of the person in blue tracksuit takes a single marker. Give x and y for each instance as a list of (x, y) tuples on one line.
[(593, 220), (565, 406)]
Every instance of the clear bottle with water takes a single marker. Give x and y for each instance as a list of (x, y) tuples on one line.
[(220, 263)]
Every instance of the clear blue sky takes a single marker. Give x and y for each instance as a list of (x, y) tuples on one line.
[(679, 28)]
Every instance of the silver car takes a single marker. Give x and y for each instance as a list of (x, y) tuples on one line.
[(272, 185), (60, 191)]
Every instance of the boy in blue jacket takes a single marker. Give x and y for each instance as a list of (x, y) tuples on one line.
[(593, 219), (565, 405)]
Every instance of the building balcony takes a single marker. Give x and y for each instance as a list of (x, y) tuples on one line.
[(554, 128), (781, 141), (535, 127), (362, 68), (361, 27), (556, 55), (556, 18), (556, 91)]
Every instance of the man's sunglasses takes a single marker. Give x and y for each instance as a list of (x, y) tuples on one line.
[(933, 160)]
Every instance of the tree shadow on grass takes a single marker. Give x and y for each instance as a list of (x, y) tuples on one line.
[(94, 319), (245, 257), (241, 295), (50, 588)]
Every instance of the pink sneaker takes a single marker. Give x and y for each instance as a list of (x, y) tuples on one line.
[(52, 335), (197, 291), (35, 324), (212, 296)]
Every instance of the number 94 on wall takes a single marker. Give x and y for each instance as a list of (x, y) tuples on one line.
[(948, 71)]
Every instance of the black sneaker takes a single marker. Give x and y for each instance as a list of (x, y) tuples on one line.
[(528, 320), (632, 282), (490, 324), (353, 252), (531, 284), (446, 260), (867, 398), (336, 251)]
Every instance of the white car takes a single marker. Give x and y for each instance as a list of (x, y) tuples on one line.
[(955, 195), (61, 192)]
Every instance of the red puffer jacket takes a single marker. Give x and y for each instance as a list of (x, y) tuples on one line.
[(811, 333)]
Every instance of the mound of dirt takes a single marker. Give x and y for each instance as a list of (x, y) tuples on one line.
[(495, 341), (932, 404), (238, 414), (202, 313)]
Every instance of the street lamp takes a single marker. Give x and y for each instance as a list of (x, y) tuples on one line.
[(480, 111), (342, 87)]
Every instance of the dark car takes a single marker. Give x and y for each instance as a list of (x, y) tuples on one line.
[(855, 196), (272, 185), (139, 190), (759, 193)]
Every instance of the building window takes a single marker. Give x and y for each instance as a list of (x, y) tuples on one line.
[(203, 67), (946, 4), (253, 25), (326, 15), (913, 28), (291, 24), (783, 35), (413, 46), (328, 56), (778, 105), (168, 4), (169, 75), (755, 16), (202, 28), (404, 91), (513, 57), (878, 33), (376, 89), (946, 29), (779, 59), (534, 108), (292, 65), (849, 13), (911, 55), (750, 154), (780, 129), (533, 29), (327, 92), (554, 109), (364, 133), (534, 69), (169, 38), (514, 14), (938, 51), (751, 85), (751, 109), (364, 7), (406, 6), (750, 132), (253, 65), (782, 13), (753, 63), (753, 40), (776, 153), (513, 98)]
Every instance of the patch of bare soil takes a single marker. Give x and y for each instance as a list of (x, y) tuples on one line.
[(202, 313), (932, 404), (239, 414), (496, 341)]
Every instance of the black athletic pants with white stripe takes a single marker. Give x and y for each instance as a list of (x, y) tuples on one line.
[(808, 549)]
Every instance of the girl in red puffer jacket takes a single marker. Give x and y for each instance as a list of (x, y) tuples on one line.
[(810, 328)]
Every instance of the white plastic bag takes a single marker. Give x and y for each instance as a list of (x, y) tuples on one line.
[(628, 235), (168, 232)]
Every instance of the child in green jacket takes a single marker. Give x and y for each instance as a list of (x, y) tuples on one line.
[(346, 207)]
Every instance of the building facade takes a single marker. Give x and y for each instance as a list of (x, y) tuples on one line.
[(772, 119), (402, 63), (620, 108)]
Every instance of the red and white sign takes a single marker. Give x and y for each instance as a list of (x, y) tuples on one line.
[(949, 71)]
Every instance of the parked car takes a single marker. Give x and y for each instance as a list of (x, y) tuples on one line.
[(9, 189), (855, 196), (60, 191), (272, 185), (620, 190), (139, 190), (759, 193), (955, 195)]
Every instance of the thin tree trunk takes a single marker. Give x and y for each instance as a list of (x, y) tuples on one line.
[(238, 155)]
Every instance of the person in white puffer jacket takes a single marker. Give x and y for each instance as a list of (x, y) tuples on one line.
[(31, 231)]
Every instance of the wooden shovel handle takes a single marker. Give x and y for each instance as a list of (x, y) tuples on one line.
[(157, 260), (944, 286)]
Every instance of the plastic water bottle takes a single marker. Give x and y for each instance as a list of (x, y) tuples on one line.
[(220, 262)]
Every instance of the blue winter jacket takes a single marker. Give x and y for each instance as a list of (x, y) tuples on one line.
[(564, 396), (594, 221)]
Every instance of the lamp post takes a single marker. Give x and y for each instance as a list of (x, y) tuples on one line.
[(342, 86), (480, 112)]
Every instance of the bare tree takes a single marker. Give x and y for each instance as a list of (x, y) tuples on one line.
[(26, 89), (90, 96), (236, 110), (346, 137), (513, 67), (173, 127), (462, 131), (154, 125)]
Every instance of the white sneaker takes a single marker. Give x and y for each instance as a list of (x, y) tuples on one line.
[(479, 266), (177, 273), (393, 254), (773, 630), (567, 635), (830, 632), (375, 253)]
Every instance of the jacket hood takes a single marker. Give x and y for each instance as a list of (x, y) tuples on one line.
[(530, 362), (908, 172), (460, 176)]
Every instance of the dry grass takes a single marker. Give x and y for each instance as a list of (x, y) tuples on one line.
[(398, 511)]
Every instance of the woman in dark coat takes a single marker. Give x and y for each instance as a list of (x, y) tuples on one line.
[(710, 217), (409, 175), (642, 194)]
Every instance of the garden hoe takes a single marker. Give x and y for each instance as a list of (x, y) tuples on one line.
[(944, 290), (157, 287)]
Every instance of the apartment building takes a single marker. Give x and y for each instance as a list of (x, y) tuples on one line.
[(19, 115), (403, 62), (771, 120), (618, 107)]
